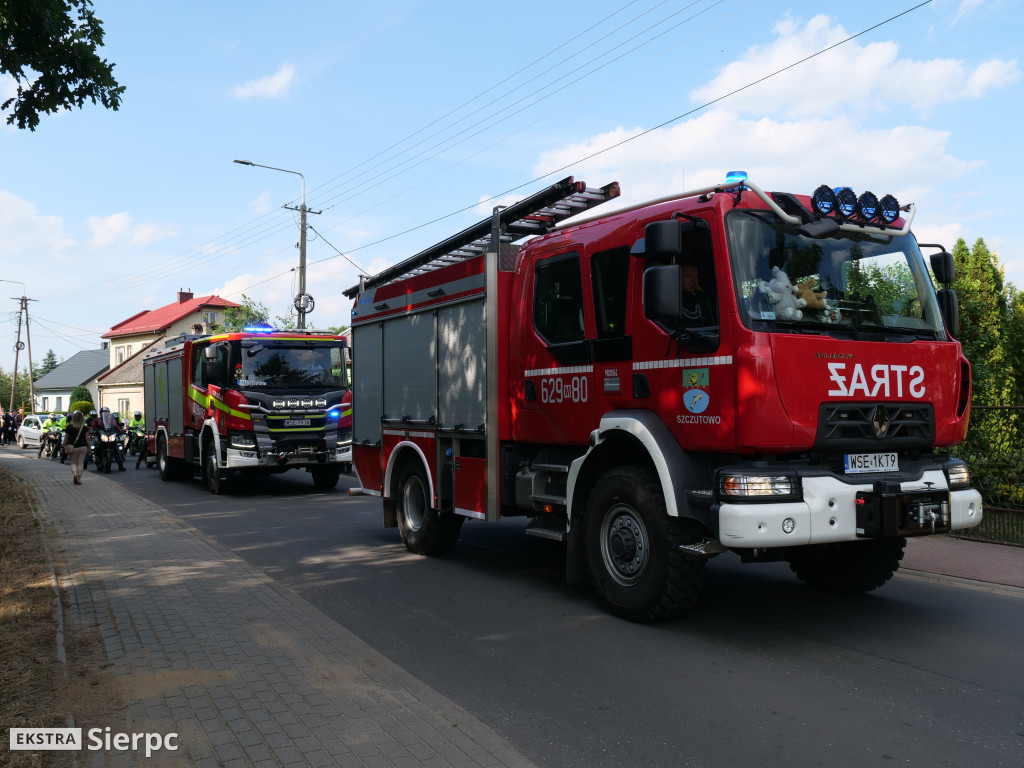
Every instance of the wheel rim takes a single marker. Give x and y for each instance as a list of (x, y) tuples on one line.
[(625, 547), (212, 476), (414, 506)]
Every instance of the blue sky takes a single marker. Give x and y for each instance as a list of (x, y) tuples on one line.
[(399, 116)]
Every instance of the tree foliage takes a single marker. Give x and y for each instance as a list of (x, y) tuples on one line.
[(248, 312), (48, 364), (21, 391), (50, 49), (81, 394), (985, 318)]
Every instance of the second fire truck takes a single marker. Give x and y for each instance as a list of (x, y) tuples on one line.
[(257, 400), (571, 381)]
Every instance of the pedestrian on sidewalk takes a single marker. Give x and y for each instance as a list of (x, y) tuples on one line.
[(76, 440)]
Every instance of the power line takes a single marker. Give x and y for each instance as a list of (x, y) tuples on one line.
[(670, 121)]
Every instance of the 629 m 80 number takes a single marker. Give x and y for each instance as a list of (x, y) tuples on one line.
[(557, 390)]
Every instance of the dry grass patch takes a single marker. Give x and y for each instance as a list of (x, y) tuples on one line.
[(37, 690)]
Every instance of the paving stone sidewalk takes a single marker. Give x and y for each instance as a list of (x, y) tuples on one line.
[(245, 671)]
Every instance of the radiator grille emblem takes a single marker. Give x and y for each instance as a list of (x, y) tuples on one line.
[(880, 421)]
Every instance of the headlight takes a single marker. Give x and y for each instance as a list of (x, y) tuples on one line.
[(243, 442), (744, 487), (108, 438), (958, 476)]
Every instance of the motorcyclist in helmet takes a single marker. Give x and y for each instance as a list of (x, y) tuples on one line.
[(62, 422), (106, 422), (49, 421)]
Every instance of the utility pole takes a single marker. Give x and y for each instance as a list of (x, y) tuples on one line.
[(23, 308), (303, 301)]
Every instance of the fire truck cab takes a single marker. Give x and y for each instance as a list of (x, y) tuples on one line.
[(725, 369)]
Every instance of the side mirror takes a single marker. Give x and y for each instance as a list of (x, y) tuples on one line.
[(943, 267), (663, 240), (949, 306), (211, 372), (663, 292)]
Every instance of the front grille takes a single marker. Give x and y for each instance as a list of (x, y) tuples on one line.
[(875, 426), (292, 423)]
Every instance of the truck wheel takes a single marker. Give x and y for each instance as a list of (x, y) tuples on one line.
[(423, 529), (847, 567), (326, 478), (633, 548), (164, 463), (215, 481)]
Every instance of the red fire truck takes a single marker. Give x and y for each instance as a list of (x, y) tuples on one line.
[(646, 387), (258, 400)]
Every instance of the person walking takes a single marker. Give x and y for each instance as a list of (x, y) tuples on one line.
[(76, 443)]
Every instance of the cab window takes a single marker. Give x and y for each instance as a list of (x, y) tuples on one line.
[(609, 272), (558, 300)]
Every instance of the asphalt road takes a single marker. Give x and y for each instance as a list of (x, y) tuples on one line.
[(764, 672)]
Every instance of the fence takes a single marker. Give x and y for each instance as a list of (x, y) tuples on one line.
[(994, 449)]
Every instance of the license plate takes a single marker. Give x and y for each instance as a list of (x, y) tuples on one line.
[(862, 463), (297, 422)]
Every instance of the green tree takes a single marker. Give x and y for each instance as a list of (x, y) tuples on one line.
[(980, 287), (50, 48), (48, 364), (22, 397), (81, 394), (248, 312)]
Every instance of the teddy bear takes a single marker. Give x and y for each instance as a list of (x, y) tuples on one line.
[(781, 296), (805, 291)]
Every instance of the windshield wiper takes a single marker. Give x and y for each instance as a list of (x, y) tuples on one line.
[(898, 330), (815, 327)]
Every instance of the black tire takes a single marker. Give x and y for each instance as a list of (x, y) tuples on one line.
[(215, 481), (633, 548), (167, 466), (848, 567), (107, 461), (423, 529), (326, 478)]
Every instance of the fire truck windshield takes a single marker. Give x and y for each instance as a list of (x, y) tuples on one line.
[(309, 365), (851, 285)]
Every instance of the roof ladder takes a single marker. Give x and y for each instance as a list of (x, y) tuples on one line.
[(535, 215)]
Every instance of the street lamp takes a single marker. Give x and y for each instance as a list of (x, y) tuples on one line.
[(303, 301)]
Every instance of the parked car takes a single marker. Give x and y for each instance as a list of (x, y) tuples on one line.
[(30, 432)]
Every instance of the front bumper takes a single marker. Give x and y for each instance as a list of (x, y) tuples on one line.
[(299, 457), (828, 513)]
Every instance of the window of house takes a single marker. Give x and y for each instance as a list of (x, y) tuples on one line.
[(124, 406), (46, 403), (123, 353), (209, 316), (58, 403)]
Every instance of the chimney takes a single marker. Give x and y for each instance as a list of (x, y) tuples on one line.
[(184, 296)]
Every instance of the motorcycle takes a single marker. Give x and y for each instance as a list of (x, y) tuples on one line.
[(107, 448), (136, 437), (52, 441)]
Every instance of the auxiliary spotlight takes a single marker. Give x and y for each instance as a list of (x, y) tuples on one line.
[(867, 206), (846, 201), (890, 209), (824, 200)]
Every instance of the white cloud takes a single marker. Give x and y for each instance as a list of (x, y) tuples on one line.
[(851, 76), (793, 155), (24, 232), (272, 86), (121, 229)]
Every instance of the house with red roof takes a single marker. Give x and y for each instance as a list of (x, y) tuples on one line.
[(120, 389)]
